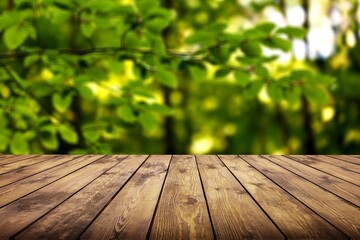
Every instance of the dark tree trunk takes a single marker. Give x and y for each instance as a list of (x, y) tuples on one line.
[(309, 141), (169, 124)]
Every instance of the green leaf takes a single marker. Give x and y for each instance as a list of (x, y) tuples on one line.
[(293, 95), (163, 109), (315, 95), (145, 6), (257, 60), (254, 34), (10, 18), (48, 138), (294, 32), (261, 72), (148, 121), (61, 103), (134, 40), (126, 113), (253, 89), (279, 43), (59, 16), (156, 25), (159, 12), (301, 75), (14, 36), (91, 132), (167, 78), (251, 48), (221, 54), (197, 73), (242, 77), (201, 37), (103, 6), (68, 134), (86, 92), (123, 9), (30, 60), (157, 44), (4, 139), (88, 28), (222, 72), (323, 79), (275, 92), (19, 145), (266, 27)]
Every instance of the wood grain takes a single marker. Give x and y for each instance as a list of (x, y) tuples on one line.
[(333, 184), (234, 213), (294, 219), (339, 213), (17, 215), (182, 212), (27, 171), (347, 158), (23, 163), (129, 214), (68, 220), (340, 172), (6, 159), (27, 185), (179, 197), (338, 162)]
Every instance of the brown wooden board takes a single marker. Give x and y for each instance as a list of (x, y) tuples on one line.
[(235, 215), (182, 211), (337, 171), (346, 158), (129, 214), (6, 159), (19, 214), (294, 219), (24, 163), (21, 173), (341, 214), (333, 184), (27, 185), (338, 162), (72, 217)]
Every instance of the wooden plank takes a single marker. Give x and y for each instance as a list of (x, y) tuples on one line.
[(343, 215), (294, 219), (337, 162), (25, 186), (19, 214), (70, 219), (21, 173), (356, 156), (14, 158), (334, 170), (182, 212), (333, 184), (129, 214), (23, 163), (235, 215), (347, 158)]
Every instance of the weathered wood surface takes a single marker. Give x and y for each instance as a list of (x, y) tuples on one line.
[(179, 197)]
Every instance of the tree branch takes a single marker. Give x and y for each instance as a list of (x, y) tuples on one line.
[(85, 51)]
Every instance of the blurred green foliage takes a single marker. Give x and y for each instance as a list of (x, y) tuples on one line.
[(151, 76)]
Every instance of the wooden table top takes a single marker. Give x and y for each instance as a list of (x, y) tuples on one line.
[(179, 197)]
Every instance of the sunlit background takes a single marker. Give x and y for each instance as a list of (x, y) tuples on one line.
[(213, 116)]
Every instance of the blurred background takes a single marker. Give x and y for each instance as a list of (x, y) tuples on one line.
[(74, 103)]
